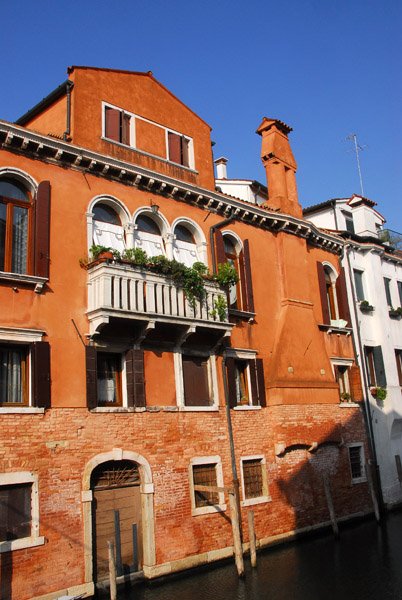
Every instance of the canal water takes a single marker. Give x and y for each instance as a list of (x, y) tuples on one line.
[(364, 564)]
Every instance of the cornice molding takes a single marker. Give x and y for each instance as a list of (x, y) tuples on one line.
[(40, 147)]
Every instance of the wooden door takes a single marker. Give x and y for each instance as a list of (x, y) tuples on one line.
[(116, 507)]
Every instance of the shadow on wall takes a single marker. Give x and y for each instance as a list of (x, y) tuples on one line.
[(301, 466)]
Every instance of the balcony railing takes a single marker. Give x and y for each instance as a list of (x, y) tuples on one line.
[(123, 290)]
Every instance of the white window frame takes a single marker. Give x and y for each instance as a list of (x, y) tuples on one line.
[(363, 478), (34, 539), (204, 510), (111, 349), (133, 141), (24, 338), (212, 380), (343, 362), (246, 355)]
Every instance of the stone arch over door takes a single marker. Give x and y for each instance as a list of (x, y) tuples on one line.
[(147, 510)]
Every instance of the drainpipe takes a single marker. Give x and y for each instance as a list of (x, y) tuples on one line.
[(369, 419), (211, 236), (66, 134)]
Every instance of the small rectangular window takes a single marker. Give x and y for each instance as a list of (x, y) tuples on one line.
[(253, 478), (387, 285), (356, 462), (178, 147), (342, 378), (349, 222), (375, 366), (108, 370), (400, 292), (242, 382), (15, 511), (358, 276), (196, 381), (205, 475), (117, 125), (13, 375)]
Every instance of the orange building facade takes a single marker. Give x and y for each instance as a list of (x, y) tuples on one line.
[(119, 394)]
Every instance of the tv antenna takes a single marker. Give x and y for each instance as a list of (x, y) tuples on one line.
[(356, 149)]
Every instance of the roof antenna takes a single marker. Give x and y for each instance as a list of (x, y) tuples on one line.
[(356, 149)]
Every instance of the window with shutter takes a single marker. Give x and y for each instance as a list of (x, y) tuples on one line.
[(230, 250), (358, 277), (254, 480), (398, 358), (375, 366), (117, 125), (196, 381), (178, 149), (387, 286), (246, 385)]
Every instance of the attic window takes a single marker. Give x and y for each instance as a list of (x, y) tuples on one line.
[(349, 222), (178, 146), (117, 125)]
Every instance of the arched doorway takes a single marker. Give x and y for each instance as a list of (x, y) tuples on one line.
[(117, 516)]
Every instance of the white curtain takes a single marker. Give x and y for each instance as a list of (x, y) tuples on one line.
[(185, 252), (109, 235), (11, 379)]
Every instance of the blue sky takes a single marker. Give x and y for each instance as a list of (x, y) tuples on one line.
[(328, 69)]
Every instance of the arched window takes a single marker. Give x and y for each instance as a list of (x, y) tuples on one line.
[(148, 235), (333, 294), (184, 246), (230, 249), (16, 209), (107, 227), (330, 285), (231, 256)]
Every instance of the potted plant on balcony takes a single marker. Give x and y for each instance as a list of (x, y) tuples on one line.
[(365, 306), (379, 393), (395, 313), (98, 251)]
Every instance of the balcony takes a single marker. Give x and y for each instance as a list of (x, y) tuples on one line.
[(149, 305)]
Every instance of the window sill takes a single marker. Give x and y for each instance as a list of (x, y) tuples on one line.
[(359, 480), (207, 510), (21, 544), (334, 329), (260, 500), (247, 407), (242, 314), (348, 404), (199, 408), (141, 409), (38, 282), (23, 410)]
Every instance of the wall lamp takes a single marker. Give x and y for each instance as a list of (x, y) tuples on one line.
[(154, 207)]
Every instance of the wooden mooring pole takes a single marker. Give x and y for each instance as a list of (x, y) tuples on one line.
[(238, 550), (372, 492), (112, 570), (330, 505), (251, 534)]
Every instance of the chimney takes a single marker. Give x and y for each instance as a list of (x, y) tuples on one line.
[(280, 167), (221, 167)]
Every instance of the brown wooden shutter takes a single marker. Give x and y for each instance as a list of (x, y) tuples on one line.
[(195, 378), (130, 378), (184, 152), (41, 374), (245, 278), (139, 378), (125, 129), (219, 248), (112, 124), (380, 377), (341, 294), (174, 142), (323, 293), (92, 384), (231, 377), (42, 222), (355, 384), (260, 381)]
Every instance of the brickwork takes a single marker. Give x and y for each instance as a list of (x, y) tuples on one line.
[(58, 445)]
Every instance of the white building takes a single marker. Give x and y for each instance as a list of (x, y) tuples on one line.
[(373, 270)]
